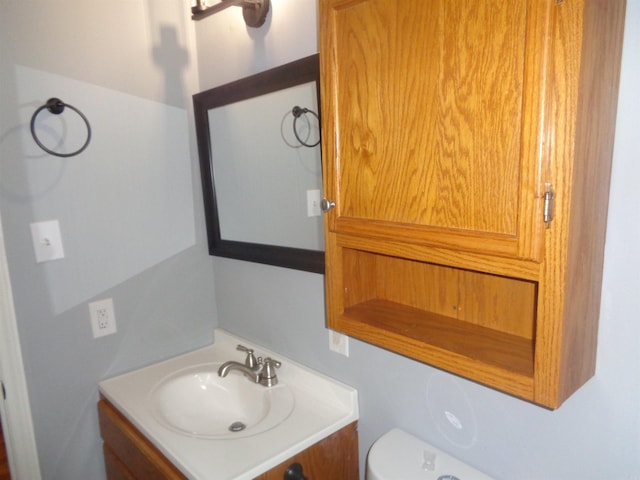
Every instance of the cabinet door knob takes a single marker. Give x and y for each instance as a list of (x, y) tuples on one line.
[(326, 205), (294, 472)]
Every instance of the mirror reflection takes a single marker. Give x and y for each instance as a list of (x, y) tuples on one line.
[(262, 179)]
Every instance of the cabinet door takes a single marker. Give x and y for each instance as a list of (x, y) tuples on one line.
[(128, 454), (333, 458), (433, 121)]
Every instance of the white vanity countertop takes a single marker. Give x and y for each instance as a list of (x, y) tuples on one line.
[(322, 407)]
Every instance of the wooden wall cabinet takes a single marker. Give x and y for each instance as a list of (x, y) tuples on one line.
[(467, 147), (130, 456)]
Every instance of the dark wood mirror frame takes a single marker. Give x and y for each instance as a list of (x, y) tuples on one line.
[(295, 73)]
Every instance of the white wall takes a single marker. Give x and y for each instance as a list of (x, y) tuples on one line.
[(129, 206), (594, 435)]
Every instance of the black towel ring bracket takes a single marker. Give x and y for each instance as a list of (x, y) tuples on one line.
[(56, 107), (297, 113)]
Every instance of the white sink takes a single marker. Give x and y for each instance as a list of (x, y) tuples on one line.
[(185, 410), (195, 401)]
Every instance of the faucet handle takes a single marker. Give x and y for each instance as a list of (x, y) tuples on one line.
[(250, 361), (268, 376), (270, 362)]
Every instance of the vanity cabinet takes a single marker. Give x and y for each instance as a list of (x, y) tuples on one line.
[(466, 156), (130, 456)]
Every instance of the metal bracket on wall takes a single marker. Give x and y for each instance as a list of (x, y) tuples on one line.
[(254, 12)]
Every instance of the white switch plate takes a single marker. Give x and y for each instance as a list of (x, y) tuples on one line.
[(313, 203), (339, 343), (47, 241)]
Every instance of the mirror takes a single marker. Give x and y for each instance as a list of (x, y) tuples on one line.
[(262, 180)]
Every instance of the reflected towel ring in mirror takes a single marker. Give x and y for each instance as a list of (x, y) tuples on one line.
[(56, 107), (297, 113)]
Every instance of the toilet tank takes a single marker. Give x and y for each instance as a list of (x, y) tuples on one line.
[(398, 455)]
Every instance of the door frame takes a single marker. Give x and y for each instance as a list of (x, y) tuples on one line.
[(15, 410)]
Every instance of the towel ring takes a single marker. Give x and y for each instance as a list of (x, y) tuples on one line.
[(297, 113), (56, 106)]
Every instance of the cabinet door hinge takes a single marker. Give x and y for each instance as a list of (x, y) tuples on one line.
[(549, 201)]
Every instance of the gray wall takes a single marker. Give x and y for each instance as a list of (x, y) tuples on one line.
[(129, 206), (595, 435), (131, 219)]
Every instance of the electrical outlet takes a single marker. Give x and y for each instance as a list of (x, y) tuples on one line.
[(339, 343), (103, 319)]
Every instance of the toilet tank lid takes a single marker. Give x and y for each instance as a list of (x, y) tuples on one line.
[(399, 455)]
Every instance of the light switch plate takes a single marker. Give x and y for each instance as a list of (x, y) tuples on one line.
[(47, 241), (313, 203)]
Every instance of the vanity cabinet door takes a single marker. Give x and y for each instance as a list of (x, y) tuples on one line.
[(128, 454), (431, 116), (335, 457)]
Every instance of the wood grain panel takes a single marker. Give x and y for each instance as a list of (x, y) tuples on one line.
[(428, 287), (499, 303), (444, 81), (335, 457), (432, 119), (143, 459), (602, 33), (116, 470), (488, 356), (492, 301), (361, 270), (458, 259), (582, 100)]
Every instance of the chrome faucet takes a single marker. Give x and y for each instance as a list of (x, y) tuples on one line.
[(257, 370), (250, 373)]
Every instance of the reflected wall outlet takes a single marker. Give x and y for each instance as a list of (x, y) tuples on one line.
[(339, 343), (103, 319)]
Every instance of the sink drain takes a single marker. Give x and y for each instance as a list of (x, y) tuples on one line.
[(237, 427)]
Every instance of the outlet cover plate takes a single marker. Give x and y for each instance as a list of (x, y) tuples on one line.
[(339, 343), (103, 319)]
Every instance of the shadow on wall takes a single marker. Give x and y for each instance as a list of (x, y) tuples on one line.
[(173, 59)]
